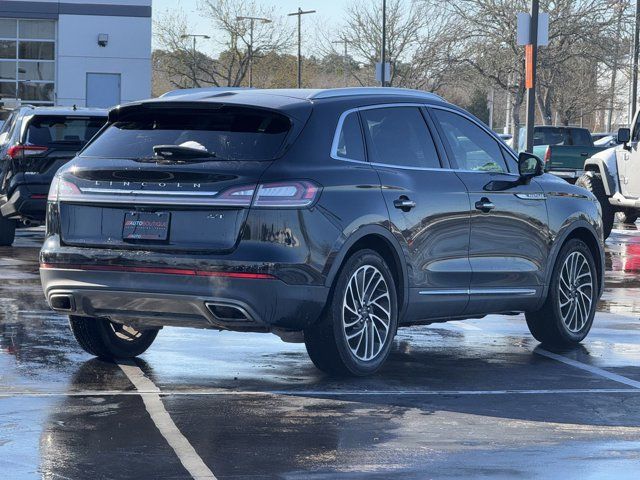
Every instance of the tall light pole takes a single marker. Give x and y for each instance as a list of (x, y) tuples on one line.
[(195, 60), (299, 14), (344, 41), (383, 80), (252, 21)]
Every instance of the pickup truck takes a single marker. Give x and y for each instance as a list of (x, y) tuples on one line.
[(564, 149)]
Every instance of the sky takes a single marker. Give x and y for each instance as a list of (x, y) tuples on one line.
[(330, 10)]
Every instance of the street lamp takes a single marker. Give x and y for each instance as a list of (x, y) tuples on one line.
[(344, 41), (299, 14), (195, 60), (252, 20)]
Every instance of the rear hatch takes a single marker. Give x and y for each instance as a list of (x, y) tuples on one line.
[(170, 177), (47, 143)]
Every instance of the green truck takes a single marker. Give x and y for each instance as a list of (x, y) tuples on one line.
[(563, 149)]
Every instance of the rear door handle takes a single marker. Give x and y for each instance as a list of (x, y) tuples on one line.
[(404, 203), (485, 205), (584, 154)]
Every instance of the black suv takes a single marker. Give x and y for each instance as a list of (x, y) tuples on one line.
[(328, 216), (34, 143)]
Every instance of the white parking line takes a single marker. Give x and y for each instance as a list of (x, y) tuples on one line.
[(464, 325), (589, 368), (174, 437)]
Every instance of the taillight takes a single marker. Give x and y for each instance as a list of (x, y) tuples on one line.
[(237, 196), (62, 189), (25, 150), (547, 155), (289, 194), (286, 194)]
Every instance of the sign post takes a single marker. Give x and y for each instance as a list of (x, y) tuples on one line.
[(533, 31), (530, 80)]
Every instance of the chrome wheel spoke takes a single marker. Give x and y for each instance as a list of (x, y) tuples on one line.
[(366, 313), (575, 299)]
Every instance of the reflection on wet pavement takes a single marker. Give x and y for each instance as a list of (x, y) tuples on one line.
[(459, 400)]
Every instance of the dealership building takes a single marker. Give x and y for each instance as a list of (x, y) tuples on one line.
[(67, 52)]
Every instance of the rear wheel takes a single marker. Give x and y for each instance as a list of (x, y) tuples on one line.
[(627, 216), (354, 336), (110, 340), (7, 231), (567, 314), (593, 183)]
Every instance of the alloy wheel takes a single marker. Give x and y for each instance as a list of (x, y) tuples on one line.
[(576, 292), (366, 313)]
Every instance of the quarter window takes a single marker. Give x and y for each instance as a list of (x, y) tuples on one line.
[(350, 145), (399, 136), (472, 147)]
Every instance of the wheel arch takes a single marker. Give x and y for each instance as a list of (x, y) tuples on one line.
[(595, 165), (581, 230), (382, 241)]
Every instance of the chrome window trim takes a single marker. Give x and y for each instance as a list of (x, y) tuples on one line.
[(482, 291), (336, 138)]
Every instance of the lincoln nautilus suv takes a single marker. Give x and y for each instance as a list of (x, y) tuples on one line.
[(331, 217)]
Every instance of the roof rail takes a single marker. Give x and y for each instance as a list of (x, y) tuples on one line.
[(351, 91)]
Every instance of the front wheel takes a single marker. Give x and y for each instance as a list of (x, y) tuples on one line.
[(109, 340), (355, 334), (567, 314), (593, 183)]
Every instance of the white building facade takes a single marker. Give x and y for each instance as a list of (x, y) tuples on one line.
[(94, 53)]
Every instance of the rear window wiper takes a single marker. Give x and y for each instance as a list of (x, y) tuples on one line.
[(181, 153)]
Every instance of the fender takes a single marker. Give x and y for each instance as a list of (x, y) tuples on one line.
[(604, 163), (371, 230), (559, 242)]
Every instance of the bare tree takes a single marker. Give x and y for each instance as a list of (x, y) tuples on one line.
[(186, 67)]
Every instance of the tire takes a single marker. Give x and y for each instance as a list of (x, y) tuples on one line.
[(627, 216), (556, 324), (7, 231), (327, 342), (108, 340), (593, 183)]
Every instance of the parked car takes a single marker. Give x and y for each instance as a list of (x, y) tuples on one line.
[(613, 176), (331, 217), (34, 143), (564, 149)]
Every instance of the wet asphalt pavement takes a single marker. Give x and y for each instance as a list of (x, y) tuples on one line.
[(468, 399)]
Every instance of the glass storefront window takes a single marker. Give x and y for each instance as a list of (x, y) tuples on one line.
[(36, 71), (7, 71), (40, 29), (27, 60), (8, 28)]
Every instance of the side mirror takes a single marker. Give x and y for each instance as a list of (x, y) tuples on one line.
[(624, 135), (529, 166)]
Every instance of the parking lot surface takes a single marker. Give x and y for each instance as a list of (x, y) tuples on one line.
[(478, 398)]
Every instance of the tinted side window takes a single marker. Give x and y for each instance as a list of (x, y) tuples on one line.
[(580, 137), (471, 146), (399, 136), (350, 144)]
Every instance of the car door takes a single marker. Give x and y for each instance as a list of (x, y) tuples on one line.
[(428, 208), (629, 164), (510, 241)]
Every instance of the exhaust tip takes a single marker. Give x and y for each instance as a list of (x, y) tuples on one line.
[(62, 303), (228, 313)]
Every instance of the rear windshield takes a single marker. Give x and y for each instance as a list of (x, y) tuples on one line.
[(229, 133), (61, 131), (558, 136)]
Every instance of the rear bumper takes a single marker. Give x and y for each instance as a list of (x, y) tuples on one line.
[(154, 299), (26, 202)]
